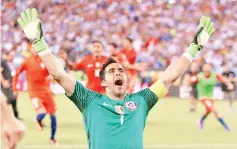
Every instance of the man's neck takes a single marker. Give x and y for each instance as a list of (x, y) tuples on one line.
[(129, 48), (96, 56), (115, 97)]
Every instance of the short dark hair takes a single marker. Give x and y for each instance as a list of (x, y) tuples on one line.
[(207, 64), (9, 52), (113, 44), (107, 63), (129, 39), (96, 41)]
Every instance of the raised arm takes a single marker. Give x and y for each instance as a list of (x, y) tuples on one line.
[(58, 73), (31, 26), (226, 81), (136, 66), (70, 64), (176, 69)]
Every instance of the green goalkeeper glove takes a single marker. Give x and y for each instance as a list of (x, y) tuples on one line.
[(31, 25), (205, 30)]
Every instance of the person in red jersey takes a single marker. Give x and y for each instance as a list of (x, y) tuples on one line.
[(91, 65), (129, 51), (41, 96), (123, 60), (118, 56), (131, 55)]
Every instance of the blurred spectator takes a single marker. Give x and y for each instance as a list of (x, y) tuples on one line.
[(230, 75), (6, 81)]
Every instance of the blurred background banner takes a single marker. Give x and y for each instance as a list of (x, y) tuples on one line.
[(177, 90)]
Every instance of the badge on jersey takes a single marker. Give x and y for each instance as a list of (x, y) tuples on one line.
[(42, 65), (131, 105), (119, 110)]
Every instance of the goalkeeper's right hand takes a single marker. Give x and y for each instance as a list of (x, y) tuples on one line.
[(205, 30), (31, 25)]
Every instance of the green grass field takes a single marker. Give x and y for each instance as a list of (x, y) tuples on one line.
[(169, 126)]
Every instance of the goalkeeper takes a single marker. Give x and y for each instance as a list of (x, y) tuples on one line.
[(117, 119)]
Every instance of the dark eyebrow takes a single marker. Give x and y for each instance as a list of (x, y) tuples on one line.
[(110, 69), (120, 69)]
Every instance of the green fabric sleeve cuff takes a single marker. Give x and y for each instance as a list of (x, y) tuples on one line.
[(193, 49), (40, 45)]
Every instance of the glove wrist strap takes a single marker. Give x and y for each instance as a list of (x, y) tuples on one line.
[(44, 52), (193, 49), (40, 45)]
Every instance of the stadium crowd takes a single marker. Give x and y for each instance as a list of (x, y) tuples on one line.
[(160, 29)]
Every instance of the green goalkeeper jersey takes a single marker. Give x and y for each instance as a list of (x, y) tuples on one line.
[(205, 86), (113, 124)]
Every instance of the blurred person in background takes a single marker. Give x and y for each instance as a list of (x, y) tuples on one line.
[(115, 20), (6, 80), (230, 95), (91, 65), (12, 130), (130, 53), (194, 70), (39, 90), (206, 81), (128, 50)]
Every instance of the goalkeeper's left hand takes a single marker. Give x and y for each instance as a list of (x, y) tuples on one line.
[(205, 30)]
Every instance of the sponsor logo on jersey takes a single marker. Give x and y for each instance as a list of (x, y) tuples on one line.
[(119, 110), (107, 105), (89, 65), (131, 105)]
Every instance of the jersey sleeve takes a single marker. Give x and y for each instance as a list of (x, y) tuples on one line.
[(159, 89), (219, 78), (80, 65), (149, 97), (82, 96)]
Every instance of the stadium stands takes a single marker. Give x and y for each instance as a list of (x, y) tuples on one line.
[(160, 29)]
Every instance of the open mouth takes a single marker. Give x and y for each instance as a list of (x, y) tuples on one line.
[(118, 82)]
